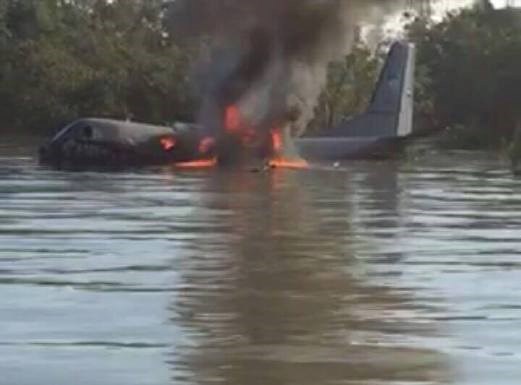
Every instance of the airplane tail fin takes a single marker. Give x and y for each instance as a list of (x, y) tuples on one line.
[(390, 112)]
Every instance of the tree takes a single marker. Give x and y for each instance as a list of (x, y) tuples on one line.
[(61, 59), (470, 62), (348, 89)]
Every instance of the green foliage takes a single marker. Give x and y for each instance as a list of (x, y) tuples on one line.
[(469, 74), (349, 86), (60, 59)]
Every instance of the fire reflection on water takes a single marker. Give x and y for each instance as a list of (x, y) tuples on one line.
[(276, 294)]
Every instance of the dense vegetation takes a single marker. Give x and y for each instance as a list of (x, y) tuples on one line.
[(60, 59), (469, 74), (349, 85)]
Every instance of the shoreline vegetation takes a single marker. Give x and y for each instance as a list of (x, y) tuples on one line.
[(60, 60)]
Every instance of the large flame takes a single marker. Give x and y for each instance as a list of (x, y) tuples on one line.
[(235, 124), (278, 160)]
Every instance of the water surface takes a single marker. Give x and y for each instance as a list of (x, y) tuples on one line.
[(404, 272)]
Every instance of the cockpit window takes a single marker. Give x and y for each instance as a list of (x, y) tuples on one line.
[(87, 132), (81, 131)]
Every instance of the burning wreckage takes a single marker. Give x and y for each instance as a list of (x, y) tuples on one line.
[(379, 131)]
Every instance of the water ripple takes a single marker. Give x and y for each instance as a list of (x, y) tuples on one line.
[(376, 273)]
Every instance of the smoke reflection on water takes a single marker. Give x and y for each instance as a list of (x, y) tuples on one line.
[(277, 294)]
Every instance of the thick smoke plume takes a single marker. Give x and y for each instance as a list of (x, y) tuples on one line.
[(270, 57)]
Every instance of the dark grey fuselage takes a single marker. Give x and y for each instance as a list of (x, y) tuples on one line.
[(378, 132)]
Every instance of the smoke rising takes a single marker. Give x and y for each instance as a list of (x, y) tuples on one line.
[(270, 57)]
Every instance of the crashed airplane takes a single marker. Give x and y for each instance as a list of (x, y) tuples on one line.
[(379, 131)]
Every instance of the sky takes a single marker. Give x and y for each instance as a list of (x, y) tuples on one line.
[(502, 3), (451, 4), (446, 5), (395, 24)]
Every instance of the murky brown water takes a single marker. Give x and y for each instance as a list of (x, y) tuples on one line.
[(378, 273)]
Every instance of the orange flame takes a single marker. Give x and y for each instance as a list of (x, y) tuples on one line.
[(232, 119), (235, 124), (278, 160), (198, 164), (295, 164), (276, 141), (168, 143), (206, 144)]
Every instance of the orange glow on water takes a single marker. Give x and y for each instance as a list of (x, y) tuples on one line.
[(295, 164), (198, 164)]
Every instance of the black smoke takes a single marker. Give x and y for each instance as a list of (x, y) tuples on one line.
[(269, 57)]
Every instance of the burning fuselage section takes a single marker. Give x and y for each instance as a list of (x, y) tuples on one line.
[(240, 107), (247, 112), (266, 65), (242, 142)]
